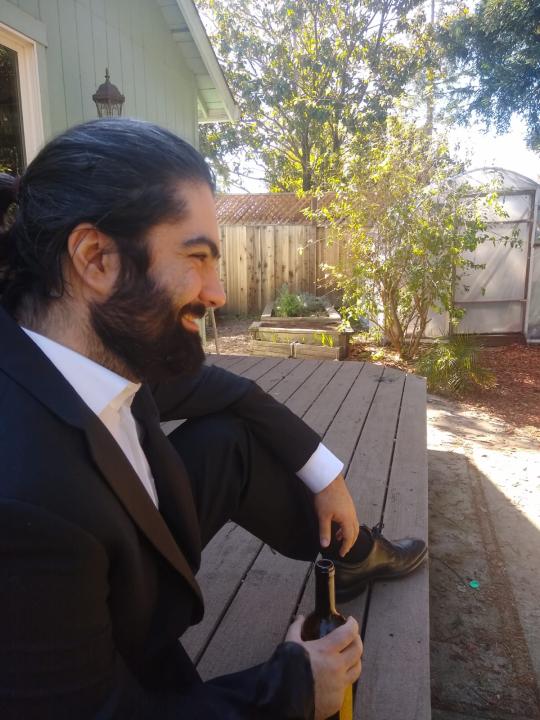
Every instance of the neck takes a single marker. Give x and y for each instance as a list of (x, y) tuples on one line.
[(68, 324)]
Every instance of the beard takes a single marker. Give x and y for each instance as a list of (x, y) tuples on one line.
[(141, 334)]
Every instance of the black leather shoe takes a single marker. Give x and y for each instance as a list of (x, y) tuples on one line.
[(387, 560)]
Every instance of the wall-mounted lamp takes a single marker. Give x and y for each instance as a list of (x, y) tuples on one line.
[(108, 99)]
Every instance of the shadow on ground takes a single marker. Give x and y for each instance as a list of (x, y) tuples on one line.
[(482, 665)]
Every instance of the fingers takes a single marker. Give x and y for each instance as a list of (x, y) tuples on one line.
[(352, 654), (354, 672), (342, 637), (347, 533), (294, 633), (325, 533)]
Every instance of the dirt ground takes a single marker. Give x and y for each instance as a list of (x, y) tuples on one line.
[(484, 515), (484, 505)]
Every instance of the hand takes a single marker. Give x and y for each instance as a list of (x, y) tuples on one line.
[(335, 663), (335, 503)]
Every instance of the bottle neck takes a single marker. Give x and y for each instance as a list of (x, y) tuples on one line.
[(325, 597)]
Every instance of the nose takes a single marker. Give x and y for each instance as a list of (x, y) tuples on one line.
[(212, 293)]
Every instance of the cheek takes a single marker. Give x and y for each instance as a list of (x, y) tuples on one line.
[(184, 285)]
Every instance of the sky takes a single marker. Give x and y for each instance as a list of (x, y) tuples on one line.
[(481, 149), (508, 151), (471, 143)]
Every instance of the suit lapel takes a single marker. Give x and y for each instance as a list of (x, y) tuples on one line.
[(175, 495), (24, 362), (127, 486)]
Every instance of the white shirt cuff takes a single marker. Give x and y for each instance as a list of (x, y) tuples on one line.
[(321, 469)]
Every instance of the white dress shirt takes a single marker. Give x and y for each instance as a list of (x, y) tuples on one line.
[(110, 396)]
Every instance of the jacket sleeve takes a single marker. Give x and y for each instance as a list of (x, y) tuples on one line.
[(216, 390), (59, 659)]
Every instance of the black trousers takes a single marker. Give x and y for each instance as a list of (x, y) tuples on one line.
[(235, 478)]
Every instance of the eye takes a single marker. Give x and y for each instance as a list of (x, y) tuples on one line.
[(199, 256)]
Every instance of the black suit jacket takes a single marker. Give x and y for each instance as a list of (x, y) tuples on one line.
[(95, 585)]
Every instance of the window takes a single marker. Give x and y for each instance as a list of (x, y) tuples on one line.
[(21, 123), (12, 154)]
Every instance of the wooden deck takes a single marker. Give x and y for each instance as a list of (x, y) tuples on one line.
[(373, 418)]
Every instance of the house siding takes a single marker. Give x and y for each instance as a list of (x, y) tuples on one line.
[(131, 38)]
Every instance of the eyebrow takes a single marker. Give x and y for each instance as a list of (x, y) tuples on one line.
[(203, 240)]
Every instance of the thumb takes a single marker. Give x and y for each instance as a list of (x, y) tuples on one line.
[(325, 530), (294, 633)]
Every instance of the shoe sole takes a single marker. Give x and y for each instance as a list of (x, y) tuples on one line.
[(353, 591)]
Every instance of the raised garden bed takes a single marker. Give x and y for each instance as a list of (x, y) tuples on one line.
[(313, 336)]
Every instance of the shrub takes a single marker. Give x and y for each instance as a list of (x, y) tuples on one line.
[(408, 225), (289, 304), (452, 366)]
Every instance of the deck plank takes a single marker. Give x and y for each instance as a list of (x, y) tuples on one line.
[(272, 586), (398, 622), (368, 412), (370, 466), (344, 409), (227, 558), (271, 569), (303, 398), (261, 368), (299, 374), (320, 416), (277, 373), (220, 582), (224, 361), (369, 416), (245, 364)]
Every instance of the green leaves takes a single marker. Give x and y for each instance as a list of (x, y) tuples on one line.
[(289, 304), (310, 76), (404, 223), (453, 366), (496, 48)]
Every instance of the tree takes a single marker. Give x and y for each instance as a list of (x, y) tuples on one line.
[(496, 53), (308, 76), (404, 224)]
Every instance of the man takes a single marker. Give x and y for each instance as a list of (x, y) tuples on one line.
[(109, 262)]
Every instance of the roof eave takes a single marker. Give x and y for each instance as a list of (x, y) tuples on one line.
[(231, 111)]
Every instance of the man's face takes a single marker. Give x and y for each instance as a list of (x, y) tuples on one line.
[(184, 254), (149, 322)]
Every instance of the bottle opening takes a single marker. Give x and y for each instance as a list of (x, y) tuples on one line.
[(325, 566)]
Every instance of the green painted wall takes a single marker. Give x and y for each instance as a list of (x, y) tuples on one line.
[(128, 36)]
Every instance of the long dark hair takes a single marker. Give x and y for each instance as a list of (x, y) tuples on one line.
[(120, 175)]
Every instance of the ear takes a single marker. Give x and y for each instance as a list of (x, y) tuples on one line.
[(94, 261)]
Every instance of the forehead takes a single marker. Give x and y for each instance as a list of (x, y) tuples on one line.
[(197, 219), (199, 208)]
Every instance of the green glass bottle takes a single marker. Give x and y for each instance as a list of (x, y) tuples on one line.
[(325, 618)]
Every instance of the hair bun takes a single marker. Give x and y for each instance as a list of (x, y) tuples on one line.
[(9, 194)]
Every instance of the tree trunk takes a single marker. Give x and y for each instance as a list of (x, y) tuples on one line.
[(307, 173), (392, 324)]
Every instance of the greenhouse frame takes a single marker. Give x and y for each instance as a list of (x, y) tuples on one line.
[(503, 296)]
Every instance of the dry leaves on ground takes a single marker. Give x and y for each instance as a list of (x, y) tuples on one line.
[(516, 397)]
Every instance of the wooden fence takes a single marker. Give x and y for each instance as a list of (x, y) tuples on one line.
[(258, 259)]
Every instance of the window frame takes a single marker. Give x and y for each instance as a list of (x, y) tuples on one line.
[(29, 88)]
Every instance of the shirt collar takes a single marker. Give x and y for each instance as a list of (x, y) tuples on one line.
[(98, 386)]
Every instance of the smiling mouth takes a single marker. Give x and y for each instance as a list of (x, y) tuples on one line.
[(190, 322)]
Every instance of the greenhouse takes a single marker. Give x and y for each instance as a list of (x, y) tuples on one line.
[(503, 297)]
